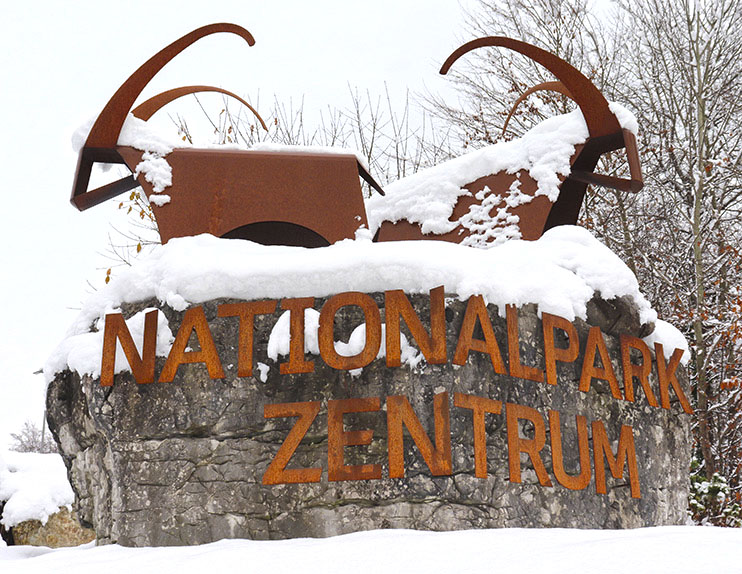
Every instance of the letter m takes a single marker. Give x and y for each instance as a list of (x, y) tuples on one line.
[(625, 456)]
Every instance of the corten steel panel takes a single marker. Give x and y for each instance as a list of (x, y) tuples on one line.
[(215, 191), (605, 134), (532, 215), (220, 192)]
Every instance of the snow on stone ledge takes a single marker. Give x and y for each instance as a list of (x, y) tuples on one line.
[(560, 272), (34, 486)]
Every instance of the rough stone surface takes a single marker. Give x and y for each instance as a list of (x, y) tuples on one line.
[(182, 462), (61, 529)]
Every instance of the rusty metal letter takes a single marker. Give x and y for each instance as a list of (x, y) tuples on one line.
[(246, 312), (326, 334), (531, 447), (338, 439), (297, 363), (399, 413), (277, 473), (477, 310), (666, 377), (517, 369), (596, 345), (433, 346), (580, 481), (625, 454), (478, 406), (194, 319), (143, 368), (552, 354), (641, 371)]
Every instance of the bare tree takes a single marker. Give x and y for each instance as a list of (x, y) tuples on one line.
[(678, 65), (686, 71), (33, 439)]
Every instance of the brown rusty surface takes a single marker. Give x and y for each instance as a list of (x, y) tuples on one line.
[(479, 406), (595, 347), (667, 378), (307, 199), (310, 199), (625, 455), (476, 313), (326, 331), (557, 453), (399, 415), (544, 86), (115, 330), (605, 134), (432, 345), (338, 438), (217, 191), (518, 369), (277, 473), (150, 107), (194, 321), (552, 353), (532, 215), (296, 363), (530, 446), (640, 370), (599, 118), (106, 130), (246, 312)]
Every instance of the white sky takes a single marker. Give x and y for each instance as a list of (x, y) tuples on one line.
[(61, 61)]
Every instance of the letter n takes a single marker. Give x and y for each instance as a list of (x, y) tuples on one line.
[(399, 413), (433, 346), (115, 330)]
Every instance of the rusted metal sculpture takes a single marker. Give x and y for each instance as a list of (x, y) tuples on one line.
[(605, 134), (313, 199), (307, 198)]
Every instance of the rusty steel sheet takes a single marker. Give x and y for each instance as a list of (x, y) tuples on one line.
[(400, 415), (569, 481), (338, 438), (433, 345), (307, 199), (605, 134), (518, 369), (312, 199), (552, 353), (479, 406), (326, 331), (530, 446), (150, 107), (544, 86), (277, 473)]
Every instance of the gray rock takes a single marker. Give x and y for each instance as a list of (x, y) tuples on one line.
[(182, 462)]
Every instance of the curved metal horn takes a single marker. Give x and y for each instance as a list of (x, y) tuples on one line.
[(150, 107), (545, 86), (107, 127), (599, 118)]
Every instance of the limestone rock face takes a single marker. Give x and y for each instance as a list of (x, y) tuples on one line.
[(61, 530), (183, 462)]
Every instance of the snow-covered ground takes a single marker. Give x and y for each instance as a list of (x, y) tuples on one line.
[(672, 549), (33, 486)]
